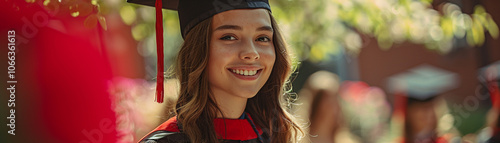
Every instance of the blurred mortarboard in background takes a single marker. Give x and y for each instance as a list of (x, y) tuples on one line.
[(423, 82), (191, 12)]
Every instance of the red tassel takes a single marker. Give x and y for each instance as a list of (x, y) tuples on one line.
[(159, 46)]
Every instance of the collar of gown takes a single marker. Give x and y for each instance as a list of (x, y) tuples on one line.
[(227, 129)]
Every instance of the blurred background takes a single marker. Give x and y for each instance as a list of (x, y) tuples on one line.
[(380, 71)]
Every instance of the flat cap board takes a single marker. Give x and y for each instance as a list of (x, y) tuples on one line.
[(423, 82)]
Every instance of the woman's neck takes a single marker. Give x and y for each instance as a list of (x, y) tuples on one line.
[(231, 106)]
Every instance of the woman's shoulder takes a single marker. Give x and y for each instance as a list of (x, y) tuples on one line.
[(167, 132), (169, 125)]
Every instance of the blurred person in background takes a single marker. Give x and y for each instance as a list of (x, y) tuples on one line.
[(490, 79), (366, 110), (415, 91), (318, 108)]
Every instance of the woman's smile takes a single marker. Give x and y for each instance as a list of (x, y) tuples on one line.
[(246, 72)]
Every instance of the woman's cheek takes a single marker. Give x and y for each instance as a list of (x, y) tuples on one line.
[(269, 55), (218, 49)]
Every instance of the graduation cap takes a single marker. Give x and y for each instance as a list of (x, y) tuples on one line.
[(423, 82), (191, 12)]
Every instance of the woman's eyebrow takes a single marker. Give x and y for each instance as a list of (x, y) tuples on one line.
[(265, 28), (228, 27), (236, 27)]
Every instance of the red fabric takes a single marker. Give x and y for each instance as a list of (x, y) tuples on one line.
[(441, 140), (159, 44), (494, 94), (62, 77), (438, 140), (400, 104), (170, 125), (237, 129)]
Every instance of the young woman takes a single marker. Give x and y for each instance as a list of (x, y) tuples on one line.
[(232, 69)]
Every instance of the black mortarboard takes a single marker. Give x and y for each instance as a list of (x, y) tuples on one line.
[(191, 12)]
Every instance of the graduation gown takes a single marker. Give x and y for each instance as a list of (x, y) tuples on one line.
[(241, 130)]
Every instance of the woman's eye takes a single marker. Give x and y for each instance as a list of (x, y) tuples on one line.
[(264, 39), (228, 37)]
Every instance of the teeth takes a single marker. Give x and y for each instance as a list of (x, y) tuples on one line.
[(245, 72)]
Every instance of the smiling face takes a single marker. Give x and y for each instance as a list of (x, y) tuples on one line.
[(241, 53)]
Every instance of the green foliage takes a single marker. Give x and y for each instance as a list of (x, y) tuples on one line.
[(75, 8), (318, 28)]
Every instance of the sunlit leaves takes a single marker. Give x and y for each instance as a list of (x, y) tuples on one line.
[(437, 33), (46, 2), (446, 28), (323, 48), (52, 5), (384, 40), (492, 27), (353, 41), (477, 32), (80, 8), (139, 31), (127, 13), (388, 21), (317, 52), (171, 24), (89, 9), (460, 25), (75, 13)]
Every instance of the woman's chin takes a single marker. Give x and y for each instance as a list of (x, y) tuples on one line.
[(247, 95)]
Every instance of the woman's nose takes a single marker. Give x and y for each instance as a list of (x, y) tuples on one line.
[(249, 51)]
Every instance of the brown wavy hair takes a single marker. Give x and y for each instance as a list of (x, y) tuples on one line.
[(196, 107)]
